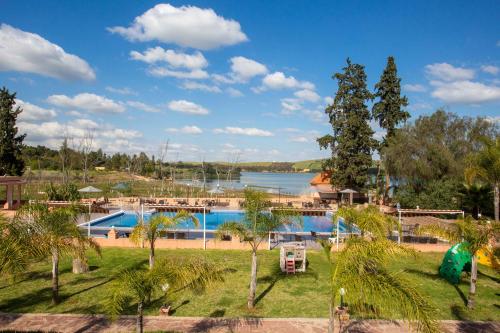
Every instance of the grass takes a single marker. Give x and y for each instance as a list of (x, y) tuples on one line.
[(278, 295)]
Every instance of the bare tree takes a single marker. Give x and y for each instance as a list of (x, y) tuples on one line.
[(162, 155), (85, 148), (203, 173), (64, 156), (233, 161)]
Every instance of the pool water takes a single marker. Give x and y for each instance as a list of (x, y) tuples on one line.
[(215, 218)]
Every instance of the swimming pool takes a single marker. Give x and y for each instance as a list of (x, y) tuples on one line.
[(217, 217)]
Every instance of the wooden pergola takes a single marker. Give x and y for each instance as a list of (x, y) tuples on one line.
[(10, 183)]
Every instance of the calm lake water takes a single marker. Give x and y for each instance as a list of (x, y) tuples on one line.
[(288, 183)]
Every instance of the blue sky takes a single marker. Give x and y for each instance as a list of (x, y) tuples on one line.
[(234, 79)]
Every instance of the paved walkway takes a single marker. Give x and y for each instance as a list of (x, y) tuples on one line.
[(98, 323)]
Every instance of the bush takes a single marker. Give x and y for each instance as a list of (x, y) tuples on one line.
[(438, 194), (68, 192)]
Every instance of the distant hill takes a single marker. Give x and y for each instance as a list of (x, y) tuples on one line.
[(313, 165)]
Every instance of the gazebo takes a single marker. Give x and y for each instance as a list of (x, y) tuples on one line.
[(11, 182)]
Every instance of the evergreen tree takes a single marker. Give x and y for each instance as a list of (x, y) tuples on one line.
[(351, 142), (11, 162), (389, 109)]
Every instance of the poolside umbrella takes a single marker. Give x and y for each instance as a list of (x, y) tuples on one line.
[(89, 189), (350, 192), (120, 187), (216, 191)]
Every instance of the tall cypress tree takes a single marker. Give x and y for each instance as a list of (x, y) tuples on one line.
[(389, 110), (11, 162), (352, 141)]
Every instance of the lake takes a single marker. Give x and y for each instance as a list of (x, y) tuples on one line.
[(287, 183)]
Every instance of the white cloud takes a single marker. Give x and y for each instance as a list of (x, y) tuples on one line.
[(243, 131), (109, 138), (278, 80), (187, 26), (301, 139), (414, 87), (291, 104), (234, 92), (244, 69), (495, 119), (191, 85), (465, 92), (220, 78), (187, 107), (447, 72), (166, 72), (307, 95), (84, 123), (28, 52), (328, 100), (87, 102), (121, 91), (185, 130), (290, 130), (490, 69), (143, 107), (75, 113), (33, 112), (173, 58), (315, 115)]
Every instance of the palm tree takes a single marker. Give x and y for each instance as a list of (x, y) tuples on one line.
[(54, 233), (15, 256), (474, 197), (257, 223), (485, 165), (474, 234), (361, 269), (156, 227), (169, 276)]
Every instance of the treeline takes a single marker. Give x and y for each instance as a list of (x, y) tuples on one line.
[(67, 159), (429, 158)]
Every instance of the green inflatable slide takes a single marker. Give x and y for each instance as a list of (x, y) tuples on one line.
[(456, 260)]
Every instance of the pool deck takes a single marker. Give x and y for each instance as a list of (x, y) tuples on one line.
[(99, 323)]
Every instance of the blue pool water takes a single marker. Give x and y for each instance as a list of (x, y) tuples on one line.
[(215, 218)]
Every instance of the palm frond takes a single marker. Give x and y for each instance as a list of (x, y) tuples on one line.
[(379, 293), (139, 232), (368, 220), (232, 228), (450, 233), (358, 251), (185, 216), (372, 290), (182, 273)]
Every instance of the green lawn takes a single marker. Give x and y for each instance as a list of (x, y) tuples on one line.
[(278, 295)]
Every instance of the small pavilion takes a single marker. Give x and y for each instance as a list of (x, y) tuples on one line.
[(11, 183)]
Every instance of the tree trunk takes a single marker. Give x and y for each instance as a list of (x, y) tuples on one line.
[(151, 254), (331, 317), (387, 186), (473, 280), (253, 281), (55, 276), (80, 266), (140, 318), (496, 200)]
